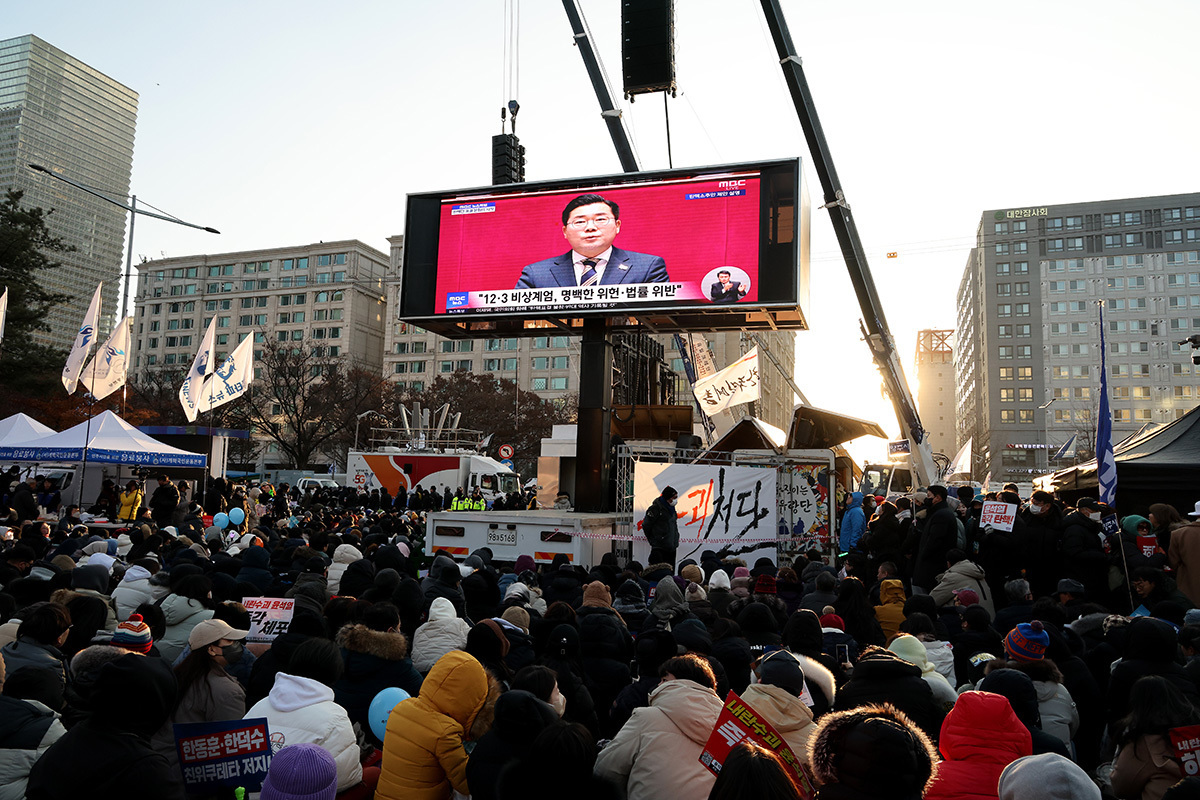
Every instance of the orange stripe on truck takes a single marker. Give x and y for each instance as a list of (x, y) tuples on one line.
[(456, 551), (550, 556)]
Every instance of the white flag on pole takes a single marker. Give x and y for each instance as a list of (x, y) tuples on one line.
[(232, 378), (3, 311), (189, 393), (737, 383), (962, 461), (110, 366), (83, 343)]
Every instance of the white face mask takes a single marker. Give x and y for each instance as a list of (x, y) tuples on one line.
[(673, 501), (558, 702), (1035, 508), (1096, 516)]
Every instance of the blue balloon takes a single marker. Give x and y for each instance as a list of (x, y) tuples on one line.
[(237, 516), (381, 709), (221, 520)]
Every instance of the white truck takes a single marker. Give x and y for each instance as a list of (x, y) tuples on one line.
[(543, 534), (393, 468)]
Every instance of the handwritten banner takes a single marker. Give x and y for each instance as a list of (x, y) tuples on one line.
[(737, 383), (228, 754)]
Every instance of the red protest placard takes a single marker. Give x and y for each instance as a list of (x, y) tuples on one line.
[(739, 722), (1186, 742), (999, 515), (1147, 545)]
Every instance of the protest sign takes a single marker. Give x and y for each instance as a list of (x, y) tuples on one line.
[(1147, 545), (999, 515), (269, 617), (214, 755), (1186, 741), (738, 722)]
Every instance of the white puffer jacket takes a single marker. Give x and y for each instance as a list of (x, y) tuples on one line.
[(300, 710), (133, 590), (445, 631), (343, 557), (27, 729), (1060, 717), (182, 614)]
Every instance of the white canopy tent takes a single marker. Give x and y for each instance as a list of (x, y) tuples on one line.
[(107, 439), (22, 428)]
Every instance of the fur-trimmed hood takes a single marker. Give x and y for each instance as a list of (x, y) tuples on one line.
[(874, 751), (361, 639)]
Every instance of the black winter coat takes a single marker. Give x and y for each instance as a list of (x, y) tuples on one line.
[(374, 661), (939, 536), (883, 677), (1083, 556)]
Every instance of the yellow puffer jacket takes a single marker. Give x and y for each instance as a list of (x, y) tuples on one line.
[(130, 503), (423, 755)]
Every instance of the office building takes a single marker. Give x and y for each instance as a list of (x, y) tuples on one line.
[(327, 296), (1028, 351), (935, 389), (57, 112)]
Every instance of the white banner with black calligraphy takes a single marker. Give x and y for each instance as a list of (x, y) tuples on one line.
[(720, 507), (737, 383)]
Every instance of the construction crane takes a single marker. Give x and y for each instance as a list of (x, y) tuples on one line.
[(922, 469)]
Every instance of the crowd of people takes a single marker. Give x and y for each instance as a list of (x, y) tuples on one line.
[(934, 657)]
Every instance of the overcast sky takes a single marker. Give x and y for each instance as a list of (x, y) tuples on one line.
[(282, 123)]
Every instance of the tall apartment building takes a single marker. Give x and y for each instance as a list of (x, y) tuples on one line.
[(328, 295), (1029, 303), (59, 113), (548, 365), (935, 393)]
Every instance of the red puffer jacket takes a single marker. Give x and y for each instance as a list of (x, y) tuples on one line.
[(980, 737)]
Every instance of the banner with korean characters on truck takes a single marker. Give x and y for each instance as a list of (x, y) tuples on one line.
[(720, 507), (803, 500)]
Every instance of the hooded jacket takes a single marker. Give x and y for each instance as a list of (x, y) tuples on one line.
[(445, 631), (27, 729), (302, 710), (980, 737), (423, 755), (787, 714), (1047, 777), (630, 603), (873, 751), (656, 753), (343, 557), (134, 589), (854, 523), (966, 574), (182, 614), (881, 676), (255, 569), (110, 751), (890, 612), (374, 661)]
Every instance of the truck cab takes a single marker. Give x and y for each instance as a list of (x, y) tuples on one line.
[(889, 480)]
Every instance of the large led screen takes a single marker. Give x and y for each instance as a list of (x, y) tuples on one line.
[(717, 237)]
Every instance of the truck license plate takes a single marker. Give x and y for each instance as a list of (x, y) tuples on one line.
[(505, 537)]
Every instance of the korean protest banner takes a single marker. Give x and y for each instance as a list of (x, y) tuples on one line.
[(1000, 516), (738, 722), (214, 755), (804, 507), (737, 383), (1147, 545), (719, 507), (1186, 742), (269, 617)]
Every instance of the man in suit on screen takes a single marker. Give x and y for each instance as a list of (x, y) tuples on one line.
[(590, 224), (726, 290)]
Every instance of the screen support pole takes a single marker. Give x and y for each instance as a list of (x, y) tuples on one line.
[(593, 433)]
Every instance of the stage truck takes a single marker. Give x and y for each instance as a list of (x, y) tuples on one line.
[(393, 468)]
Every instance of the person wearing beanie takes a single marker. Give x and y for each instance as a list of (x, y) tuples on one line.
[(423, 754), (763, 592), (92, 580), (661, 527), (692, 574), (488, 643), (517, 616), (301, 772), (777, 698), (606, 648), (741, 582), (133, 635), (1027, 642), (630, 603), (719, 593), (913, 651), (874, 751), (515, 622), (653, 649), (980, 737), (1048, 776)]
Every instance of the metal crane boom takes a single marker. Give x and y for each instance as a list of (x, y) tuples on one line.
[(874, 323)]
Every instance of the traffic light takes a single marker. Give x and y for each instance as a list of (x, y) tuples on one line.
[(508, 159)]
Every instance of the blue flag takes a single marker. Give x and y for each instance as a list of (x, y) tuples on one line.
[(1106, 462)]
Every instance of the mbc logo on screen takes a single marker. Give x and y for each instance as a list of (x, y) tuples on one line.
[(731, 184), (456, 300)]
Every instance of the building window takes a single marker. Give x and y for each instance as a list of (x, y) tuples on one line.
[(1057, 286), (446, 366), (1074, 223), (1022, 309), (1024, 330), (1003, 289), (1075, 243), (1008, 415), (1133, 240), (1006, 373), (1020, 226), (1004, 331), (1005, 352), (1054, 224), (1021, 288), (1112, 240), (1001, 228), (1002, 248), (1173, 237), (538, 384), (1006, 395), (1025, 415), (1003, 268), (1055, 245), (1024, 373), (1020, 248), (447, 346), (1004, 310)]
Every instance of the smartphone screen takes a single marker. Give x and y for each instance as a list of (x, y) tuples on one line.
[(843, 653)]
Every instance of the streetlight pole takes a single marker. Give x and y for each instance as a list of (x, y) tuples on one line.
[(1046, 428), (133, 212)]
